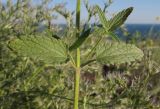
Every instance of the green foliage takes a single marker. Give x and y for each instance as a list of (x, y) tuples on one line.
[(117, 53), (80, 40), (110, 25), (28, 83), (116, 21), (119, 19), (50, 50), (102, 18), (155, 54)]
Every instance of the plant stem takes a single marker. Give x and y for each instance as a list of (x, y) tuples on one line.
[(76, 85), (77, 74)]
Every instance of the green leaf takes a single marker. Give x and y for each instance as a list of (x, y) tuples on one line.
[(56, 36), (114, 36), (102, 17), (117, 53), (99, 31), (80, 40), (49, 50), (119, 19), (116, 21)]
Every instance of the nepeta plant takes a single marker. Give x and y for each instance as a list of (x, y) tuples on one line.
[(56, 51)]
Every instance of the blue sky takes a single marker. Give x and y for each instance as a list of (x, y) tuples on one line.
[(145, 11)]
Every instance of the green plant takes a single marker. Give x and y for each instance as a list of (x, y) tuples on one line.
[(56, 51)]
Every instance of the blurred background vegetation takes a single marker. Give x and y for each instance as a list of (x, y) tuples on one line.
[(30, 84)]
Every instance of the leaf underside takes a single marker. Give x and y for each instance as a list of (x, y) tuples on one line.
[(49, 50), (117, 53)]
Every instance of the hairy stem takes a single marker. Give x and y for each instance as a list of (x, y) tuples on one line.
[(77, 74), (76, 90)]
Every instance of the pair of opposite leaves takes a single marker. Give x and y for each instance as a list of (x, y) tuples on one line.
[(51, 50)]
